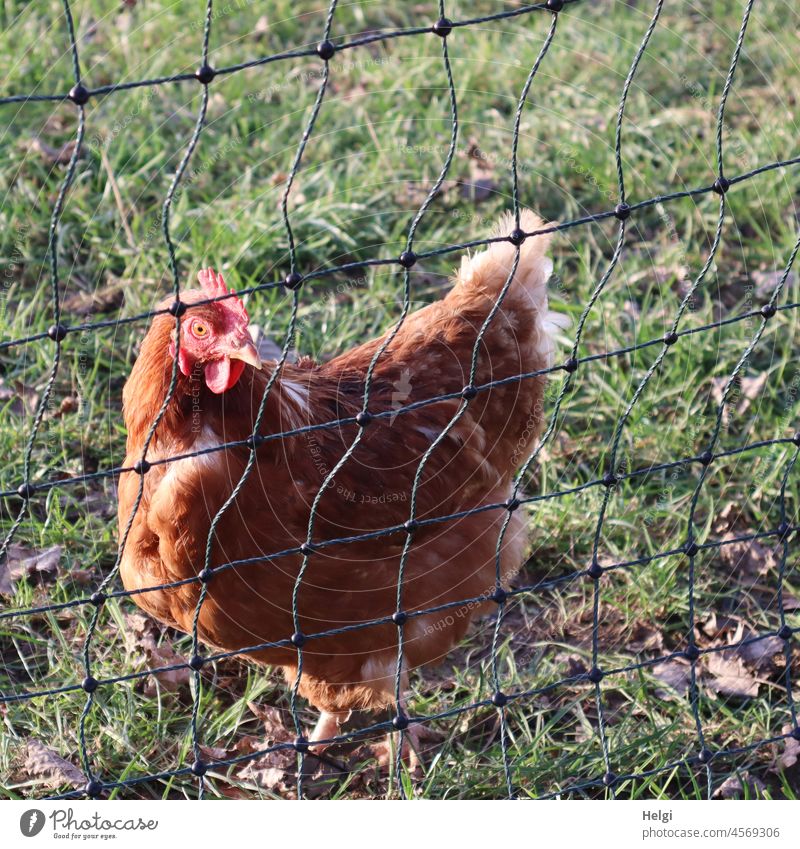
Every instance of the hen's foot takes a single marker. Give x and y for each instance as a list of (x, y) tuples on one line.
[(385, 751), (328, 726)]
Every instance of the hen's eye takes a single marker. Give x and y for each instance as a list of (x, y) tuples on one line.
[(199, 330)]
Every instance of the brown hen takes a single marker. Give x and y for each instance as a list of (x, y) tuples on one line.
[(220, 385)]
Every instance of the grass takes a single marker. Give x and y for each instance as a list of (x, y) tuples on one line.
[(379, 143)]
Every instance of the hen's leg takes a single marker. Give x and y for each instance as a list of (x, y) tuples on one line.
[(386, 750), (327, 727)]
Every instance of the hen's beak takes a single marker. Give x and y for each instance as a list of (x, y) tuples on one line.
[(247, 353)]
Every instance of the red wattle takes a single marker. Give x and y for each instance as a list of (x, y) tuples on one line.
[(222, 374)]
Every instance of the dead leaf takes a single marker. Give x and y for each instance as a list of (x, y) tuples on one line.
[(645, 638), (760, 653), (82, 577), (25, 398), (274, 771), (675, 673), (790, 602), (477, 190), (261, 27), (749, 559), (230, 792), (272, 719), (733, 787), (719, 630), (575, 666), (729, 676), (214, 753), (52, 155), (42, 762), (709, 625), (727, 518), (142, 637), (103, 299), (767, 281), (791, 751), (746, 389), (750, 390), (6, 392), (22, 562), (277, 772), (247, 744), (479, 162), (6, 584)]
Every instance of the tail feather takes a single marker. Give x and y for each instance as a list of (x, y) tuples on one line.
[(488, 271)]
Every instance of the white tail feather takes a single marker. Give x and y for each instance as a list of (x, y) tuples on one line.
[(489, 270)]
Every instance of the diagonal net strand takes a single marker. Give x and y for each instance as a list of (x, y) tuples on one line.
[(95, 785), (721, 186), (615, 474), (365, 416), (669, 340)]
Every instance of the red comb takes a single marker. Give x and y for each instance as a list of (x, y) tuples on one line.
[(214, 287)]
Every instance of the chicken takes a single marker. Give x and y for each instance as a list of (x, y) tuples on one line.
[(220, 384)]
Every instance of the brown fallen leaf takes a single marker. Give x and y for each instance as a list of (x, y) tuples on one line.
[(82, 577), (245, 745), (719, 630), (24, 399), (274, 771), (22, 563), (728, 676), (730, 517), (760, 653), (479, 162), (230, 792), (277, 772), (790, 602), (6, 392), (272, 720), (261, 27), (142, 638), (675, 673), (745, 390), (750, 390), (42, 762), (52, 155), (214, 753), (767, 281), (477, 190), (791, 751), (749, 559), (643, 637), (103, 299), (734, 787)]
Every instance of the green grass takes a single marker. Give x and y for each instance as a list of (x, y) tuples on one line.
[(379, 143)]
